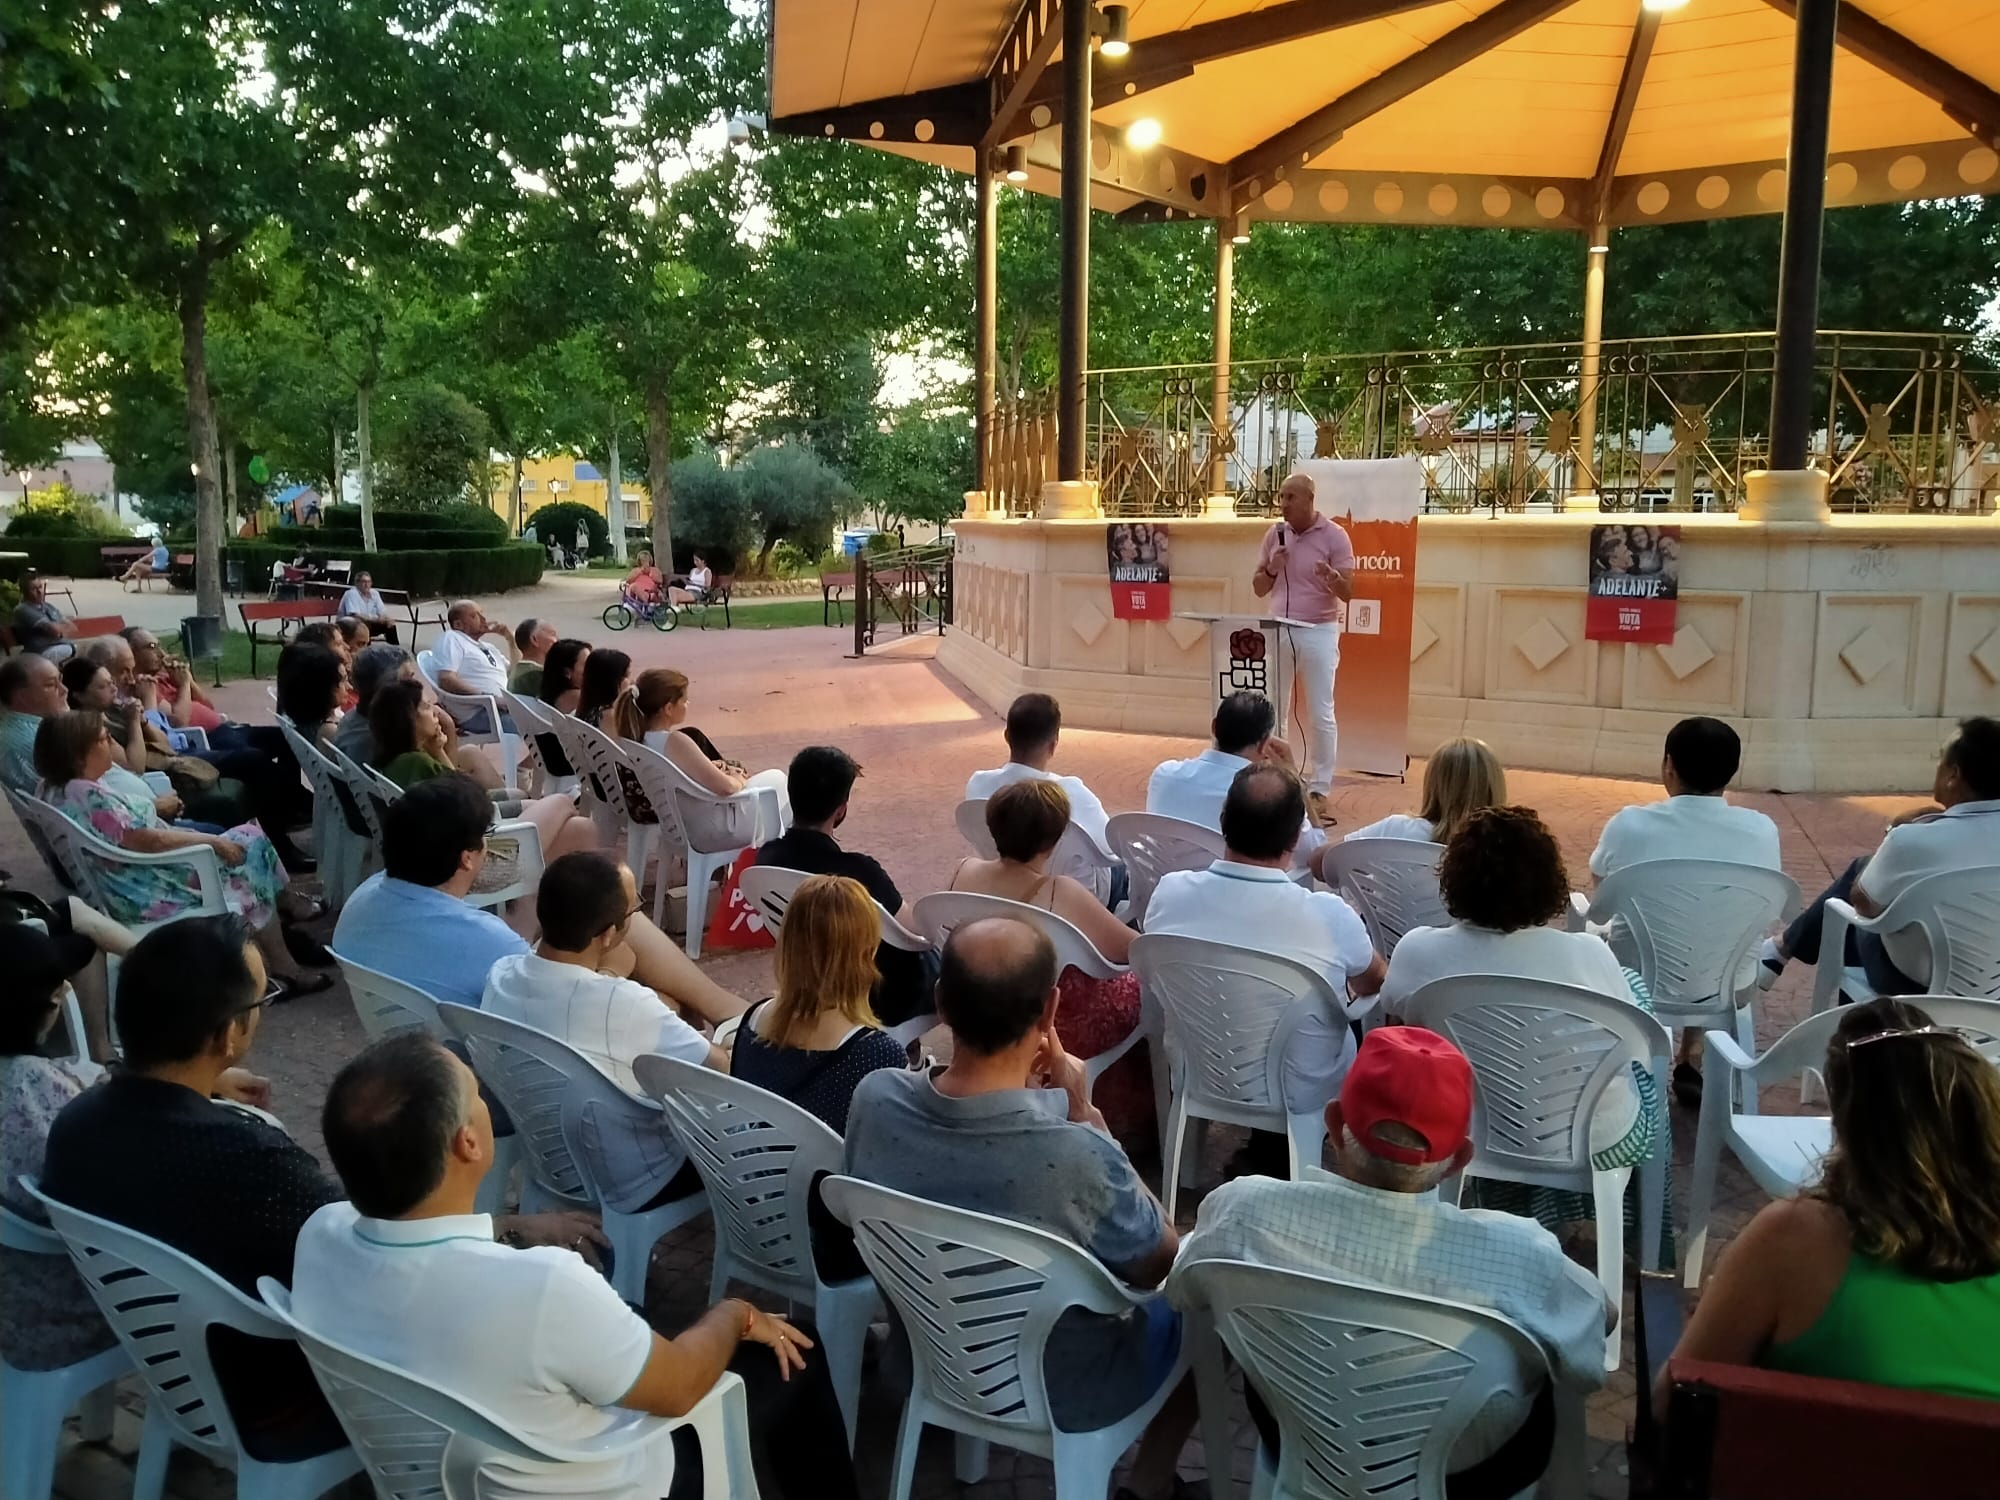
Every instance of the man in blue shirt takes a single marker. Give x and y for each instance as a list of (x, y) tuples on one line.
[(411, 921)]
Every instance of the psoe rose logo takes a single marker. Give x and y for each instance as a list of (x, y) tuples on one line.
[(1246, 645)]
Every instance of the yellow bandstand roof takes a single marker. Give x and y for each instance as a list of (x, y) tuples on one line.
[(1548, 113)]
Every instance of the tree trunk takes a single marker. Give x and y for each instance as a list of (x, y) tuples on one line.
[(659, 456), (232, 509), (614, 507), (333, 495), (363, 456), (514, 495), (202, 447)]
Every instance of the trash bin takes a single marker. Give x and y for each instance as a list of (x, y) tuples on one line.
[(201, 639), (232, 576)]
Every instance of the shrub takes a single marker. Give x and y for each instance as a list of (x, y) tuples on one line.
[(557, 522), (425, 571), (76, 556), (711, 513), (433, 451), (61, 511), (345, 520), (794, 494)]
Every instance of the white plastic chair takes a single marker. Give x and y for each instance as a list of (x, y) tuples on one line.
[(1689, 927), (566, 1113), (1230, 1015), (1958, 912), (980, 1296), (373, 792), (1783, 1153), (1076, 854), (418, 1440), (35, 1403), (161, 1304), (1392, 884), (83, 856), (461, 706), (1542, 1055), (534, 717), (385, 1005), (1371, 1388), (341, 849), (758, 1155), (711, 829), (940, 912), (604, 758), (1152, 845)]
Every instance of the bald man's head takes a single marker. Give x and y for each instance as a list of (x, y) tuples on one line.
[(995, 984), (1295, 498)]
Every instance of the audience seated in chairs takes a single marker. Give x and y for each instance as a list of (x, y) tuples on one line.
[(373, 665), (184, 701), (1400, 1127), (1961, 830), (607, 672), (1245, 733), (311, 682), (1026, 820), (561, 687), (73, 754), (410, 1274), (162, 1147), (1460, 777), (1034, 728), (816, 1038), (47, 1318), (1502, 878), (38, 625), (820, 781), (1888, 1270), (466, 665), (532, 640), (1246, 899), (973, 1135), (653, 712)]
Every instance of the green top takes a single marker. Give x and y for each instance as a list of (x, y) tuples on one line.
[(413, 766), (1886, 1327), (527, 679)]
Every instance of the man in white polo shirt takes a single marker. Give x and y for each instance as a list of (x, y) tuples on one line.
[(408, 1273), (1961, 832), (1247, 900), (1034, 728), (466, 665), (1696, 821), (1245, 734)]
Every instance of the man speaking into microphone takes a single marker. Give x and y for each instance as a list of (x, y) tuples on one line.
[(1307, 561)]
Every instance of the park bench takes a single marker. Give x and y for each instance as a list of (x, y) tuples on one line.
[(287, 612), (89, 628), (832, 589), (396, 598), (116, 560)]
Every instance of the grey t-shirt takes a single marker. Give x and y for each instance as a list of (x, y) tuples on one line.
[(1016, 1156), (35, 625)]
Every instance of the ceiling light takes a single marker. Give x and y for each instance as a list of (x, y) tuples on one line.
[(1143, 133), (1017, 163), (1115, 42), (1600, 249), (1240, 235), (1661, 7)]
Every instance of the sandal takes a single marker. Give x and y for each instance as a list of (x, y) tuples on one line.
[(305, 984)]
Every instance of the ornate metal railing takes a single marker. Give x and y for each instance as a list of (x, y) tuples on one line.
[(910, 587), (1911, 424)]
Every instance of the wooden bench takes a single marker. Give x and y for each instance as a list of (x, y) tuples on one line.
[(832, 586), (286, 611), (90, 627), (396, 597), (116, 560)]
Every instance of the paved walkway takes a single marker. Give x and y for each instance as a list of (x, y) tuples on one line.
[(762, 696)]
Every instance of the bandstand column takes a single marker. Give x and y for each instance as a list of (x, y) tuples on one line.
[(986, 312), (1589, 385), (1788, 490), (1219, 498), (1069, 494)]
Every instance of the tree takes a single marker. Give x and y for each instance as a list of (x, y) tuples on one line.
[(916, 467), (795, 497), (434, 450), (715, 513)]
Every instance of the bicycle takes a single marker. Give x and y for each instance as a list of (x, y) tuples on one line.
[(628, 611)]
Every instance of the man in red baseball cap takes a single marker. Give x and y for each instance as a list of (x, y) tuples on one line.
[(1401, 1125)]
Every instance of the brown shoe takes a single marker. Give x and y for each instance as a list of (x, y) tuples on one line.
[(1318, 811)]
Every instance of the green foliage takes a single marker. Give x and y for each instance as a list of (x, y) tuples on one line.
[(794, 495), (59, 510), (557, 522), (917, 469), (429, 572), (74, 556), (433, 450), (714, 512), (478, 525)]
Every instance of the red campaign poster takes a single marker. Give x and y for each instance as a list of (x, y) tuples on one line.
[(1136, 555), (733, 922), (1635, 584)]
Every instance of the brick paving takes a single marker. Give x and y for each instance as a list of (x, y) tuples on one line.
[(761, 696)]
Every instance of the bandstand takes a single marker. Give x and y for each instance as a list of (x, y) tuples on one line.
[(1840, 587)]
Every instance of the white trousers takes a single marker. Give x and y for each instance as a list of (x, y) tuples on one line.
[(1315, 660)]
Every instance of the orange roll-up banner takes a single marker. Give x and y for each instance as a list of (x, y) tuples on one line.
[(1377, 500)]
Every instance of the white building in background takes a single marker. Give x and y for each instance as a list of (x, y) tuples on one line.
[(85, 468)]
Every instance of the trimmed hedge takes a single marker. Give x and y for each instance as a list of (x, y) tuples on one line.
[(78, 556), (425, 571), (475, 520)]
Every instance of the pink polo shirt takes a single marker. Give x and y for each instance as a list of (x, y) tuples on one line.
[(1298, 593)]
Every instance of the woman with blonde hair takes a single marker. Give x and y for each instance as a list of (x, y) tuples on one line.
[(1461, 776), (1027, 820), (817, 1038), (1887, 1272)]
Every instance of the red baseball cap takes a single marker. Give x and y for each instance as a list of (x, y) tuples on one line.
[(1405, 1075)]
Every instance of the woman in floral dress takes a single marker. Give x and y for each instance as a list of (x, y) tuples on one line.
[(73, 753)]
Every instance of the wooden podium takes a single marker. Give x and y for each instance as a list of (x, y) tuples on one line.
[(1250, 653)]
